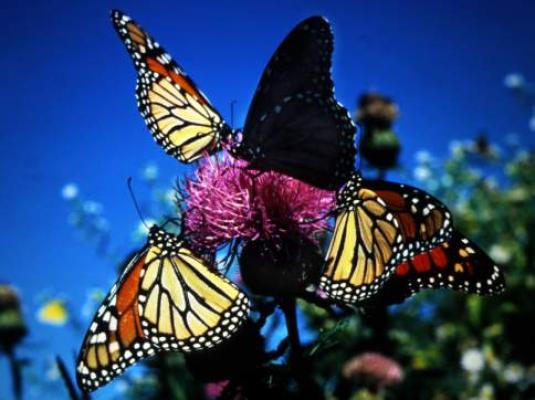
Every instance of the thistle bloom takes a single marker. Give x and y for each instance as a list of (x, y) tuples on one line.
[(226, 200), (213, 390), (374, 368)]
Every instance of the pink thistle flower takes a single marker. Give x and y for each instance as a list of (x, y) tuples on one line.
[(213, 390), (225, 200), (374, 368)]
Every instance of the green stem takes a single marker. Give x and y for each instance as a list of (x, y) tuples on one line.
[(301, 370), (16, 375), (288, 308), (73, 395)]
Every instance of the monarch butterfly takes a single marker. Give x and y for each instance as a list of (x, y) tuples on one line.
[(294, 125), (456, 263), (178, 114), (378, 226), (166, 299)]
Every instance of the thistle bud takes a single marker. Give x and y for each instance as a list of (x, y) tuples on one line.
[(12, 325), (379, 146), (289, 266)]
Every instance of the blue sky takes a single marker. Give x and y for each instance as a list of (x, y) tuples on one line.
[(69, 113)]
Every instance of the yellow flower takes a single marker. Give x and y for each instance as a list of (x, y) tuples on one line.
[(53, 312)]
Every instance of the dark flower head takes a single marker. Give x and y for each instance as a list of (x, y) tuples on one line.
[(289, 266)]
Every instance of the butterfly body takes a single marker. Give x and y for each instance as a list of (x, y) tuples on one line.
[(166, 299)]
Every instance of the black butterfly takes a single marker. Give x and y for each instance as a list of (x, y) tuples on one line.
[(294, 125)]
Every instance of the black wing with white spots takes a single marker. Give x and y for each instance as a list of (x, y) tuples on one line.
[(295, 125)]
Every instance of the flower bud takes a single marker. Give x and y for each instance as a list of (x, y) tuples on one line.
[(12, 325), (289, 266)]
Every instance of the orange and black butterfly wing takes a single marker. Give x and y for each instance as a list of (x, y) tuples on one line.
[(457, 264), (378, 225), (186, 305), (178, 114), (423, 219), (115, 338), (365, 247)]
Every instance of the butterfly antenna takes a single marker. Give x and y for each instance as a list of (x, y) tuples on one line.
[(136, 204)]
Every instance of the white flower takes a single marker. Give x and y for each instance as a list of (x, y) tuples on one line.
[(514, 81), (499, 253), (150, 172), (69, 191), (473, 360), (423, 157), (513, 373), (422, 173)]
